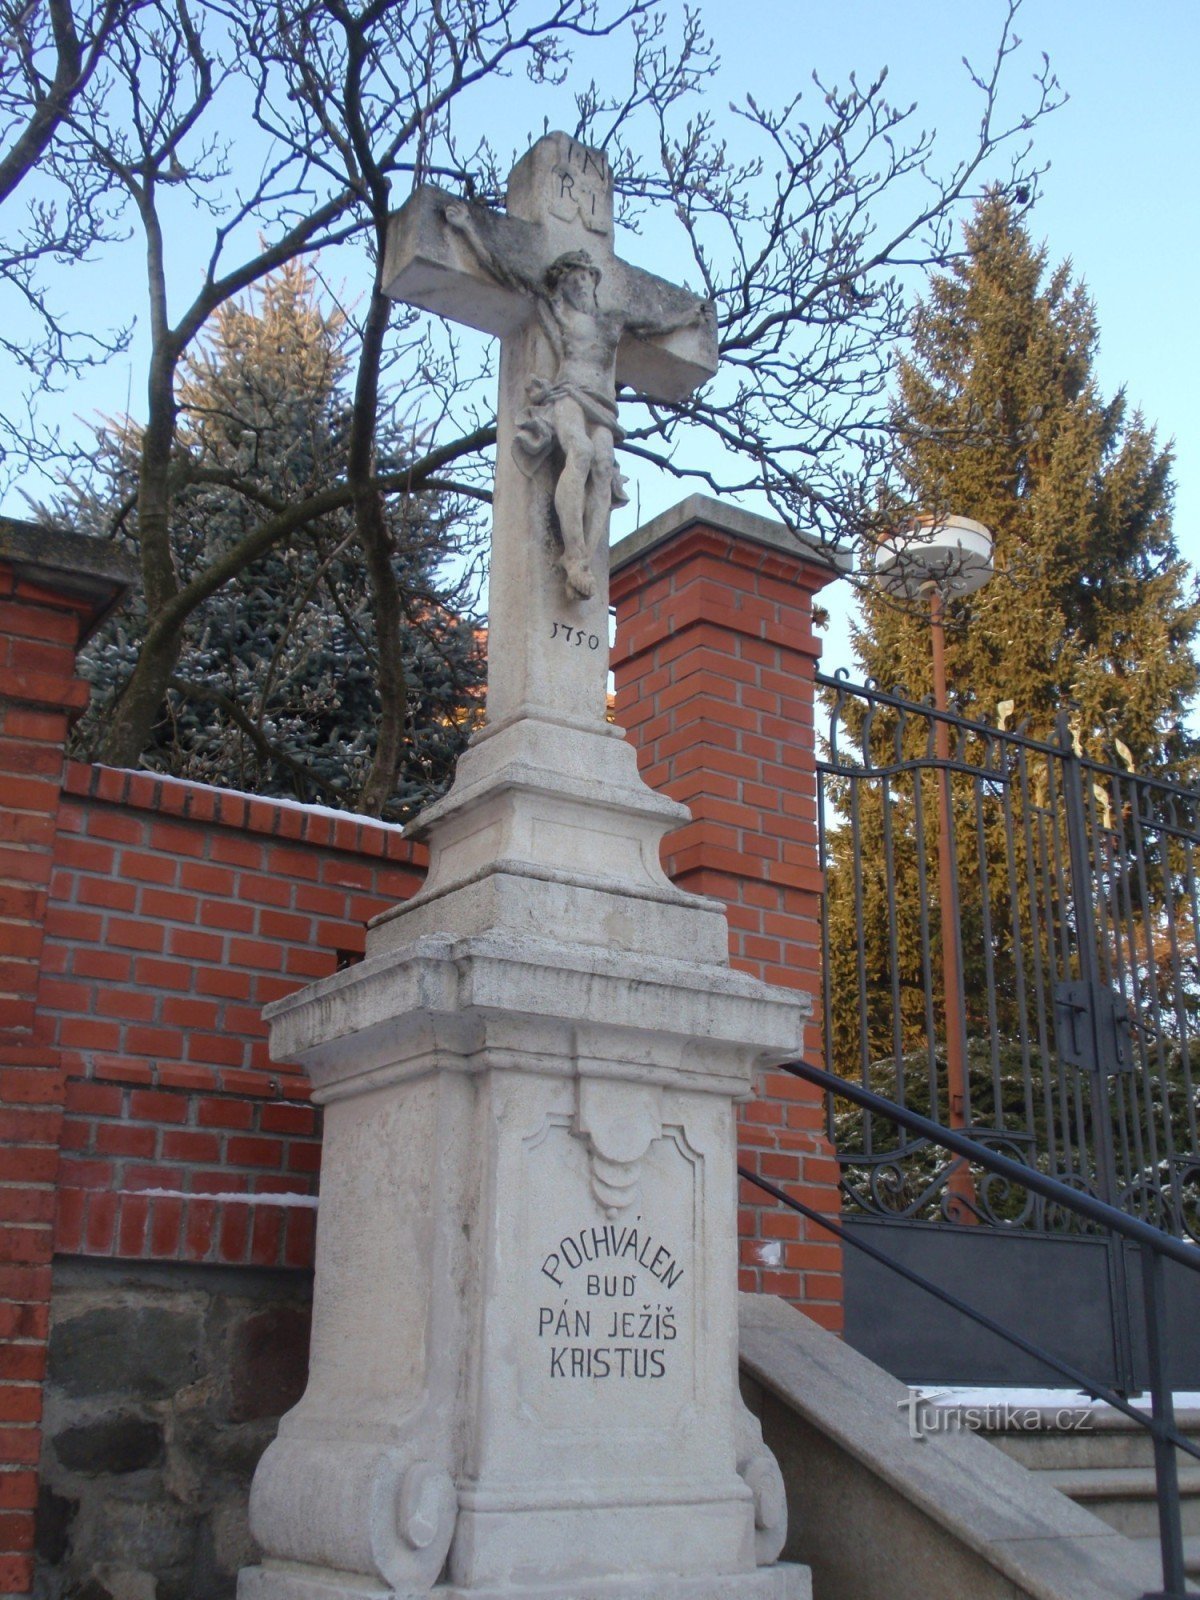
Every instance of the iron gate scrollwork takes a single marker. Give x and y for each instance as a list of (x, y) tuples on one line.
[(1074, 908)]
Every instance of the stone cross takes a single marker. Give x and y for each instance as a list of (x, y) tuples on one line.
[(523, 1374), (575, 321)]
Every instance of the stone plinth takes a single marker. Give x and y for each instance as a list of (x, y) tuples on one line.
[(550, 832), (524, 1360)]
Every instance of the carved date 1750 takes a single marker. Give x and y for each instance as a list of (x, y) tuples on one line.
[(575, 636)]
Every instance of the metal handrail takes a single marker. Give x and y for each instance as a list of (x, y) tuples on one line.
[(1097, 1211), (1154, 1246)]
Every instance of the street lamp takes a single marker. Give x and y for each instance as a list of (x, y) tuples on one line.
[(932, 559)]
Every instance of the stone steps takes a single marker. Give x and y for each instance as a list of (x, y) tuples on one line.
[(1125, 1497), (939, 1514), (1073, 1454), (1108, 1469)]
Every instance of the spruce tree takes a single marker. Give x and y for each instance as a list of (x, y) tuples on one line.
[(275, 690), (1090, 611), (999, 418)]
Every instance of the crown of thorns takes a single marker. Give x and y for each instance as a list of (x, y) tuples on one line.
[(571, 262)]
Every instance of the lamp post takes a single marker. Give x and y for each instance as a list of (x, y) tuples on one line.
[(930, 559)]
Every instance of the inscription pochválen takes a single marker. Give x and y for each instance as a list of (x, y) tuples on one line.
[(604, 1326)]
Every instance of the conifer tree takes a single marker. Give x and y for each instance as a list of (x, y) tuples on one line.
[(999, 418), (276, 689), (1091, 611)]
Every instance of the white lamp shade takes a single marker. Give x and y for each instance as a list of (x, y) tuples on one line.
[(955, 553)]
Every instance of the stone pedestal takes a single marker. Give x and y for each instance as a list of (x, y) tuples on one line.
[(524, 1360)]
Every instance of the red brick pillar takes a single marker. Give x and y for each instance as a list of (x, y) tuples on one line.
[(714, 665), (53, 588)]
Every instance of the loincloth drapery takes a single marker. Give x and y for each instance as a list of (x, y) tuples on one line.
[(535, 436)]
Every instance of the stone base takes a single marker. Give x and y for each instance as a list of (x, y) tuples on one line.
[(551, 826), (279, 1581)]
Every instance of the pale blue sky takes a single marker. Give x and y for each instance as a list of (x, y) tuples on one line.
[(1121, 196)]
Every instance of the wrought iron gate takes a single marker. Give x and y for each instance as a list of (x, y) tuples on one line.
[(1034, 982)]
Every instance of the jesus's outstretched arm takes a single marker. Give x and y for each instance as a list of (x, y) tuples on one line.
[(653, 327), (460, 219)]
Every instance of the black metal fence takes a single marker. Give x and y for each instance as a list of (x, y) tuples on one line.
[(1062, 906)]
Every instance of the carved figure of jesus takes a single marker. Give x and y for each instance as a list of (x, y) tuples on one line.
[(573, 408)]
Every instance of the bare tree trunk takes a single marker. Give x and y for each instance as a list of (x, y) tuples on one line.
[(137, 709), (138, 705), (375, 538)]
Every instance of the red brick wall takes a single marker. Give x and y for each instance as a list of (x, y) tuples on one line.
[(39, 630), (177, 912), (714, 663)]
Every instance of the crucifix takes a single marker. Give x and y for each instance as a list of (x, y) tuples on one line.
[(575, 322)]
